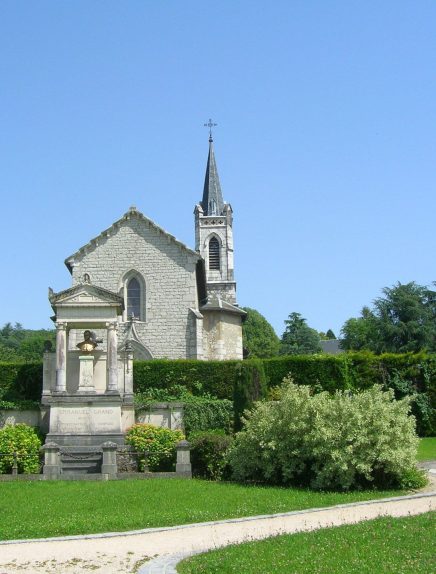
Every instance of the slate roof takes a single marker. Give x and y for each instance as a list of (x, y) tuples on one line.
[(331, 346), (212, 202), (215, 303), (132, 212)]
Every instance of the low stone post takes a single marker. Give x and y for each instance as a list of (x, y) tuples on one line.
[(109, 464), (52, 461), (15, 464), (183, 464)]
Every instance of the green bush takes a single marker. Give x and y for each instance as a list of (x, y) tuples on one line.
[(159, 442), (327, 441), (208, 453), (21, 405), (25, 442), (201, 414)]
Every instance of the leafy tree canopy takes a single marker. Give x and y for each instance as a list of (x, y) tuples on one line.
[(402, 320), (299, 338), (258, 336), (18, 344)]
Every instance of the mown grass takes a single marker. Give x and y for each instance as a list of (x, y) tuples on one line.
[(385, 545), (42, 509), (427, 448)]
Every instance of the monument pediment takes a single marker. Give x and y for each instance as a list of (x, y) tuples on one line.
[(85, 295)]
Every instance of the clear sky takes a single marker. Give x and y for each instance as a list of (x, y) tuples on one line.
[(325, 144)]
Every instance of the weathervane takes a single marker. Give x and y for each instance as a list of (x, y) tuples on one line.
[(210, 125)]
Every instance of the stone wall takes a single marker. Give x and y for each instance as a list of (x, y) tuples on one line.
[(222, 335), (13, 417), (167, 415)]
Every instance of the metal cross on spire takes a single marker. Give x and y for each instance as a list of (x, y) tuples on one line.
[(210, 125)]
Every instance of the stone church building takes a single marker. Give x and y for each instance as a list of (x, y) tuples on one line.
[(176, 302)]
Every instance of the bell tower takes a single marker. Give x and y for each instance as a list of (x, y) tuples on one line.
[(214, 233)]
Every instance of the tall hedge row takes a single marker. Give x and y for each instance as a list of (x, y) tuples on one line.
[(246, 381)]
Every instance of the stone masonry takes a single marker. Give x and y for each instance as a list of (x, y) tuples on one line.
[(135, 244)]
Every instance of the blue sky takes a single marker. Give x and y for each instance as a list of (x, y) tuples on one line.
[(325, 141)]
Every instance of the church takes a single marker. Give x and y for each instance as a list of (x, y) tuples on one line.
[(173, 301)]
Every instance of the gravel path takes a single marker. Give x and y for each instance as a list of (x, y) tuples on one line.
[(157, 550)]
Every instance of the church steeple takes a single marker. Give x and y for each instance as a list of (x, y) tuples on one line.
[(214, 233), (212, 202)]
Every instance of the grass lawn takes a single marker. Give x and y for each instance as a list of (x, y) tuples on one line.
[(53, 508), (385, 545), (427, 448)]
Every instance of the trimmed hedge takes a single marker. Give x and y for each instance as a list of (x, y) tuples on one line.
[(246, 381), (216, 377)]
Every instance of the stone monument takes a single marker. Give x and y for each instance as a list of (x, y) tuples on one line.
[(87, 397)]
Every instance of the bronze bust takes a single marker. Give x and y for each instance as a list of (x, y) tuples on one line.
[(88, 344)]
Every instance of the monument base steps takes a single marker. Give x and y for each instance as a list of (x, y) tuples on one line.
[(76, 460)]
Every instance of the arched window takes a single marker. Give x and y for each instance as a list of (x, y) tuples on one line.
[(133, 306), (214, 254), (133, 290)]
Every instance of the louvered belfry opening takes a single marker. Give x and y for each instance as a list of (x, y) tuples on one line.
[(214, 254)]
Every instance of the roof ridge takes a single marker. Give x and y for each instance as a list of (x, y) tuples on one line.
[(132, 212)]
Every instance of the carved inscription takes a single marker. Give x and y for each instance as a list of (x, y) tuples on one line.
[(86, 420)]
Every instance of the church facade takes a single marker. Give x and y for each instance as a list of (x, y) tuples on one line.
[(176, 302)]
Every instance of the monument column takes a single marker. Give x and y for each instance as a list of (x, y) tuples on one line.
[(112, 357), (61, 357)]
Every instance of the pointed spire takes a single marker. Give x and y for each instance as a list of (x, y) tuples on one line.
[(212, 202)]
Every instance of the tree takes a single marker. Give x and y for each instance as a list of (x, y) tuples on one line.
[(258, 336), (326, 336), (358, 334), (18, 344), (401, 321), (299, 338)]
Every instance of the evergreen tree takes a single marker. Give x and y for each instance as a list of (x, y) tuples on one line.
[(403, 320), (299, 338)]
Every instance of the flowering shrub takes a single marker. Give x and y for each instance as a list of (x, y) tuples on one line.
[(24, 441), (159, 442), (326, 441)]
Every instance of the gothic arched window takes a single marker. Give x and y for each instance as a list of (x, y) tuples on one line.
[(214, 254), (133, 306)]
